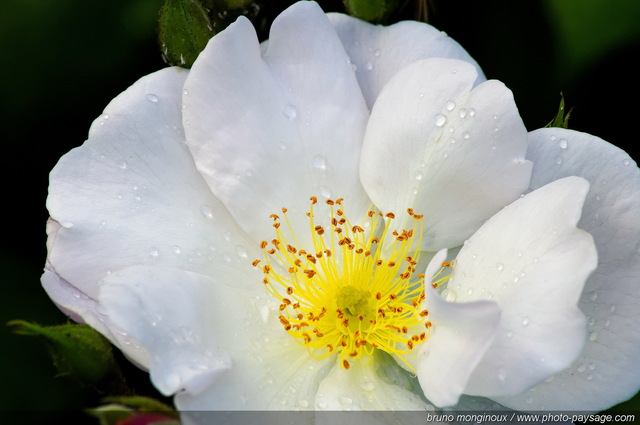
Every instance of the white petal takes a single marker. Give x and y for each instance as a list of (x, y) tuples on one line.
[(269, 132), (360, 388), (131, 194), (456, 153), (83, 309), (606, 372), (460, 335), (379, 52), (532, 261), (168, 311), (270, 370)]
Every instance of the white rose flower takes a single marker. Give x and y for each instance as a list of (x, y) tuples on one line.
[(256, 231)]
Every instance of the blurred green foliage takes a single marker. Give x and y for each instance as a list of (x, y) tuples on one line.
[(64, 60)]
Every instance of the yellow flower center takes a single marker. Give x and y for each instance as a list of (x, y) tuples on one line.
[(342, 296)]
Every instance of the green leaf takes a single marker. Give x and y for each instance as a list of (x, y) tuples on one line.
[(184, 29), (375, 11), (77, 350), (561, 120)]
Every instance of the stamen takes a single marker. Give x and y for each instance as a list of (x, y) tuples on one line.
[(342, 294)]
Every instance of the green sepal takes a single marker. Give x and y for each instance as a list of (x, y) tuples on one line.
[(561, 120), (120, 409), (184, 29), (142, 404), (78, 351), (117, 414), (374, 11)]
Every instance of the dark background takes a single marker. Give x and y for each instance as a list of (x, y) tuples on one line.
[(64, 60)]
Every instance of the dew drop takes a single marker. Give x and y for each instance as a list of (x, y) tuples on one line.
[(525, 321), (418, 175), (290, 112), (593, 336), (152, 98), (176, 249), (377, 53), (449, 295), (558, 160), (589, 377), (324, 192), (509, 334), (594, 296), (472, 112), (466, 135), (563, 143), (450, 105), (439, 120), (368, 66), (153, 252), (345, 401), (105, 116), (612, 308), (462, 113), (502, 374), (368, 386), (122, 164), (626, 162), (303, 403), (319, 162), (206, 211), (500, 266), (582, 368), (242, 253)]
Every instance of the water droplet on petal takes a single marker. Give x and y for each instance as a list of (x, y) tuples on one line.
[(319, 162), (153, 252), (105, 116), (303, 403), (418, 175), (368, 386), (345, 401), (324, 192), (152, 98), (368, 66), (563, 143), (593, 336), (466, 135), (525, 321), (450, 105), (502, 374), (462, 113), (472, 112), (206, 211), (242, 253), (377, 53), (558, 160), (626, 162), (176, 249), (500, 266), (439, 120), (290, 112), (122, 164), (449, 295)]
